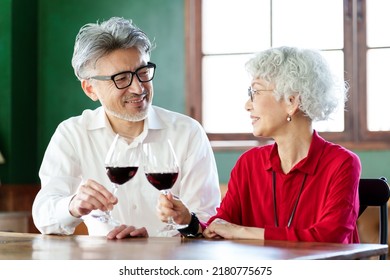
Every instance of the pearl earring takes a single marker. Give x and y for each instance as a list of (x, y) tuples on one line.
[(289, 118)]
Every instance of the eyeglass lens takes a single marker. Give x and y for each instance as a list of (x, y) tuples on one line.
[(144, 74)]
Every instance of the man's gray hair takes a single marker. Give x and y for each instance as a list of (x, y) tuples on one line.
[(96, 40)]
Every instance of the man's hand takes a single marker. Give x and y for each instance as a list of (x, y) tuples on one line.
[(91, 196), (170, 206), (124, 231)]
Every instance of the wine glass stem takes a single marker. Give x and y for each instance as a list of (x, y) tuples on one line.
[(113, 191)]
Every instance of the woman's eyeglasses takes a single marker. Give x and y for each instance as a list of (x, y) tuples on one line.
[(252, 92)]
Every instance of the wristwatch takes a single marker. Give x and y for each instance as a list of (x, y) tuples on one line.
[(192, 229)]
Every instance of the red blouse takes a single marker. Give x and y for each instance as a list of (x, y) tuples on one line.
[(328, 205)]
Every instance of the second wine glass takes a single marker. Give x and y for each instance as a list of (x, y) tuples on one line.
[(162, 170)]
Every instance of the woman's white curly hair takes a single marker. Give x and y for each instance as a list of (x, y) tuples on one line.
[(301, 72)]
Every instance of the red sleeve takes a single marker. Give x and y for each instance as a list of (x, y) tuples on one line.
[(230, 208)]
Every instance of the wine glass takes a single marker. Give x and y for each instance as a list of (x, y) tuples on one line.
[(122, 162), (161, 170)]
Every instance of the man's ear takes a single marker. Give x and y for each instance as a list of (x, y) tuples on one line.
[(88, 89)]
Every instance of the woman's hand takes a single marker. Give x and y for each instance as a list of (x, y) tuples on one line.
[(124, 231), (222, 229)]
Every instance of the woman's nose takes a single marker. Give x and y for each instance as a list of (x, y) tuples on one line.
[(248, 104)]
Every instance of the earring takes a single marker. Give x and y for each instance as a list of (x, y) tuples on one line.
[(288, 118)]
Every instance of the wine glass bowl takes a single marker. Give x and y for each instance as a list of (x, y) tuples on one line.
[(121, 163), (162, 181), (120, 175), (161, 170)]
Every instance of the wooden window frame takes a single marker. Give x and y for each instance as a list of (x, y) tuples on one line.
[(355, 135)]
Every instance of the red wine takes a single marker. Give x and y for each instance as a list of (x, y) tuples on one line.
[(162, 181), (120, 175)]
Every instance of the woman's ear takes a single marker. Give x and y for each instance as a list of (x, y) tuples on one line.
[(293, 104), (89, 90)]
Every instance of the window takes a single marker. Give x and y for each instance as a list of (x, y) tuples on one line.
[(349, 34)]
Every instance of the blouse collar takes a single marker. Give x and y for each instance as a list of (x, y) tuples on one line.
[(308, 164)]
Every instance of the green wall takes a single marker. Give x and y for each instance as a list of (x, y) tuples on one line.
[(5, 80), (38, 88), (18, 89), (60, 94)]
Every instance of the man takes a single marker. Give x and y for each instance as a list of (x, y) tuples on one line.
[(112, 61)]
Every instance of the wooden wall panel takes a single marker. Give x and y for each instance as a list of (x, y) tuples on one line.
[(20, 197)]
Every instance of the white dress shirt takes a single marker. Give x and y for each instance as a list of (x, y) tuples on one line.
[(76, 153)]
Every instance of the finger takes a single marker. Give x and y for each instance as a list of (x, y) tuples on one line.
[(164, 214), (164, 201), (140, 232), (165, 208), (89, 199), (101, 190), (169, 196), (172, 197), (222, 229), (113, 234), (126, 232), (84, 208), (208, 233), (160, 214), (97, 195), (79, 207)]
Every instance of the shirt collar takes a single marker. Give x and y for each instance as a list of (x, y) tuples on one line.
[(307, 165), (100, 121), (153, 120)]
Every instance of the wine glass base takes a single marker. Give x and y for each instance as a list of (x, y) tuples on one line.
[(176, 226), (173, 226), (107, 219), (168, 231)]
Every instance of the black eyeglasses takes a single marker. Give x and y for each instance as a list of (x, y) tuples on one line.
[(252, 92), (124, 79)]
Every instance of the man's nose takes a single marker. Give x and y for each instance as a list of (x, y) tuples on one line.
[(136, 86)]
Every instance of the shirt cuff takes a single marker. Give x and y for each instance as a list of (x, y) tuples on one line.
[(63, 215)]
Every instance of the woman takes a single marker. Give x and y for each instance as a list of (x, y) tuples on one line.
[(300, 188)]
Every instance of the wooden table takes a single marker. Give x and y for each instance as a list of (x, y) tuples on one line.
[(26, 246)]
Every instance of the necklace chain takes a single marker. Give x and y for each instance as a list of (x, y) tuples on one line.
[(295, 204)]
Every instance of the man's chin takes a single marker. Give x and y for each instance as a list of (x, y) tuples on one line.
[(130, 117), (135, 117)]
